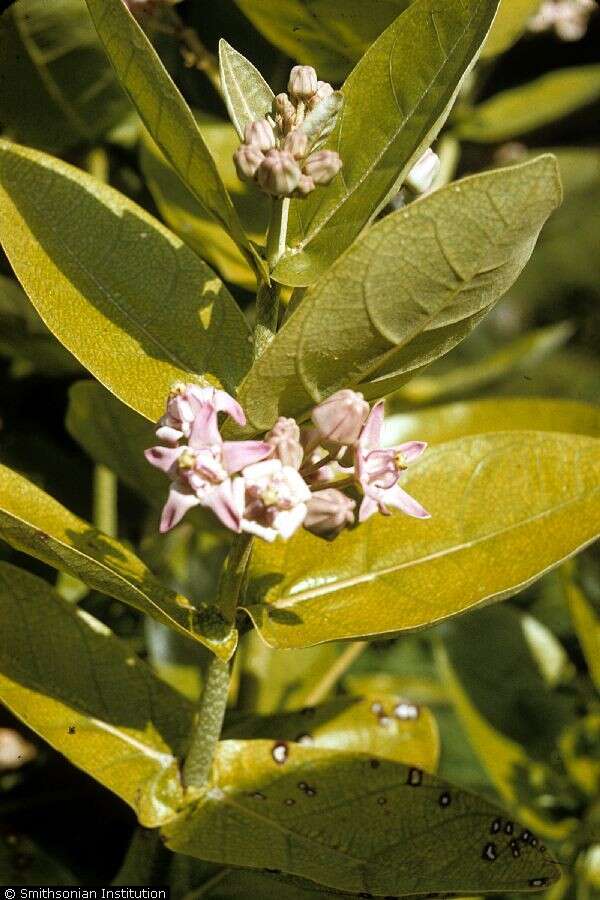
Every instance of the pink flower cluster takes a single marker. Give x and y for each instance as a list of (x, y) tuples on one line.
[(291, 478)]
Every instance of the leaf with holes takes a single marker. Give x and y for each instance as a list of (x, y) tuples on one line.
[(247, 94), (165, 114), (354, 823), (383, 725), (395, 103), (35, 523), (400, 297), (505, 508), (136, 306), (109, 715)]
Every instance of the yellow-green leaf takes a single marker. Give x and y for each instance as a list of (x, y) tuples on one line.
[(505, 508), (121, 292), (58, 89), (35, 523), (189, 219), (585, 621), (448, 423), (247, 94), (525, 108), (351, 822), (401, 295), (382, 724), (165, 113), (509, 25), (396, 101), (70, 680)]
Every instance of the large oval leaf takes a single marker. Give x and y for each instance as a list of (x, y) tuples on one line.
[(383, 725), (121, 292), (165, 113), (247, 94), (401, 295), (505, 508), (58, 89), (35, 523), (447, 423), (396, 101), (81, 689), (352, 822), (530, 106)]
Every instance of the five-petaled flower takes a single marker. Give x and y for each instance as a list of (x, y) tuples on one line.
[(378, 470)]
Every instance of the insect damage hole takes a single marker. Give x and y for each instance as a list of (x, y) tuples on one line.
[(415, 777), (280, 752), (445, 799), (490, 852)]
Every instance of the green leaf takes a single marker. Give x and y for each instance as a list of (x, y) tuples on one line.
[(165, 114), (505, 508), (119, 290), (585, 621), (346, 820), (457, 420), (540, 102), (69, 679), (401, 295), (520, 355), (509, 25), (31, 521), (327, 34), (188, 218), (382, 724), (247, 95), (507, 710), (58, 89), (396, 101)]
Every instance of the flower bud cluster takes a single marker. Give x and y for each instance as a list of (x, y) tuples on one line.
[(568, 18), (276, 154), (295, 476)]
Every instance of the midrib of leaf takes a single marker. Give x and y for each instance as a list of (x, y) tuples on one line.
[(53, 89), (111, 300), (333, 587), (323, 222)]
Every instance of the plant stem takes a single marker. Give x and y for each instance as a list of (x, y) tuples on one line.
[(209, 722), (332, 676), (278, 226), (105, 515), (339, 483), (269, 295)]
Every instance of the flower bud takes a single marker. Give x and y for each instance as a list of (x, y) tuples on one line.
[(305, 186), (303, 83), (329, 512), (323, 166), (340, 418), (259, 134), (324, 90), (423, 174), (296, 143), (247, 159), (284, 437), (279, 173), (284, 112)]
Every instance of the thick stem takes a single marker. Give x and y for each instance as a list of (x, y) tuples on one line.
[(209, 722), (333, 675), (269, 295), (105, 500), (278, 226)]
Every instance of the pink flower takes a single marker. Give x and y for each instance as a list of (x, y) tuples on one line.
[(185, 402), (275, 499), (378, 470), (201, 470), (340, 418), (329, 512)]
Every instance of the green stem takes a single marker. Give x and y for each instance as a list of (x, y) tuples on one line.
[(105, 515), (209, 722), (278, 226), (321, 691)]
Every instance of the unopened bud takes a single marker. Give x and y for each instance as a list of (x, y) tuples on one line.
[(340, 418), (303, 83), (305, 186), (284, 437), (247, 159), (296, 143), (279, 173), (323, 166), (423, 174), (329, 512), (324, 90), (284, 112), (260, 134)]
